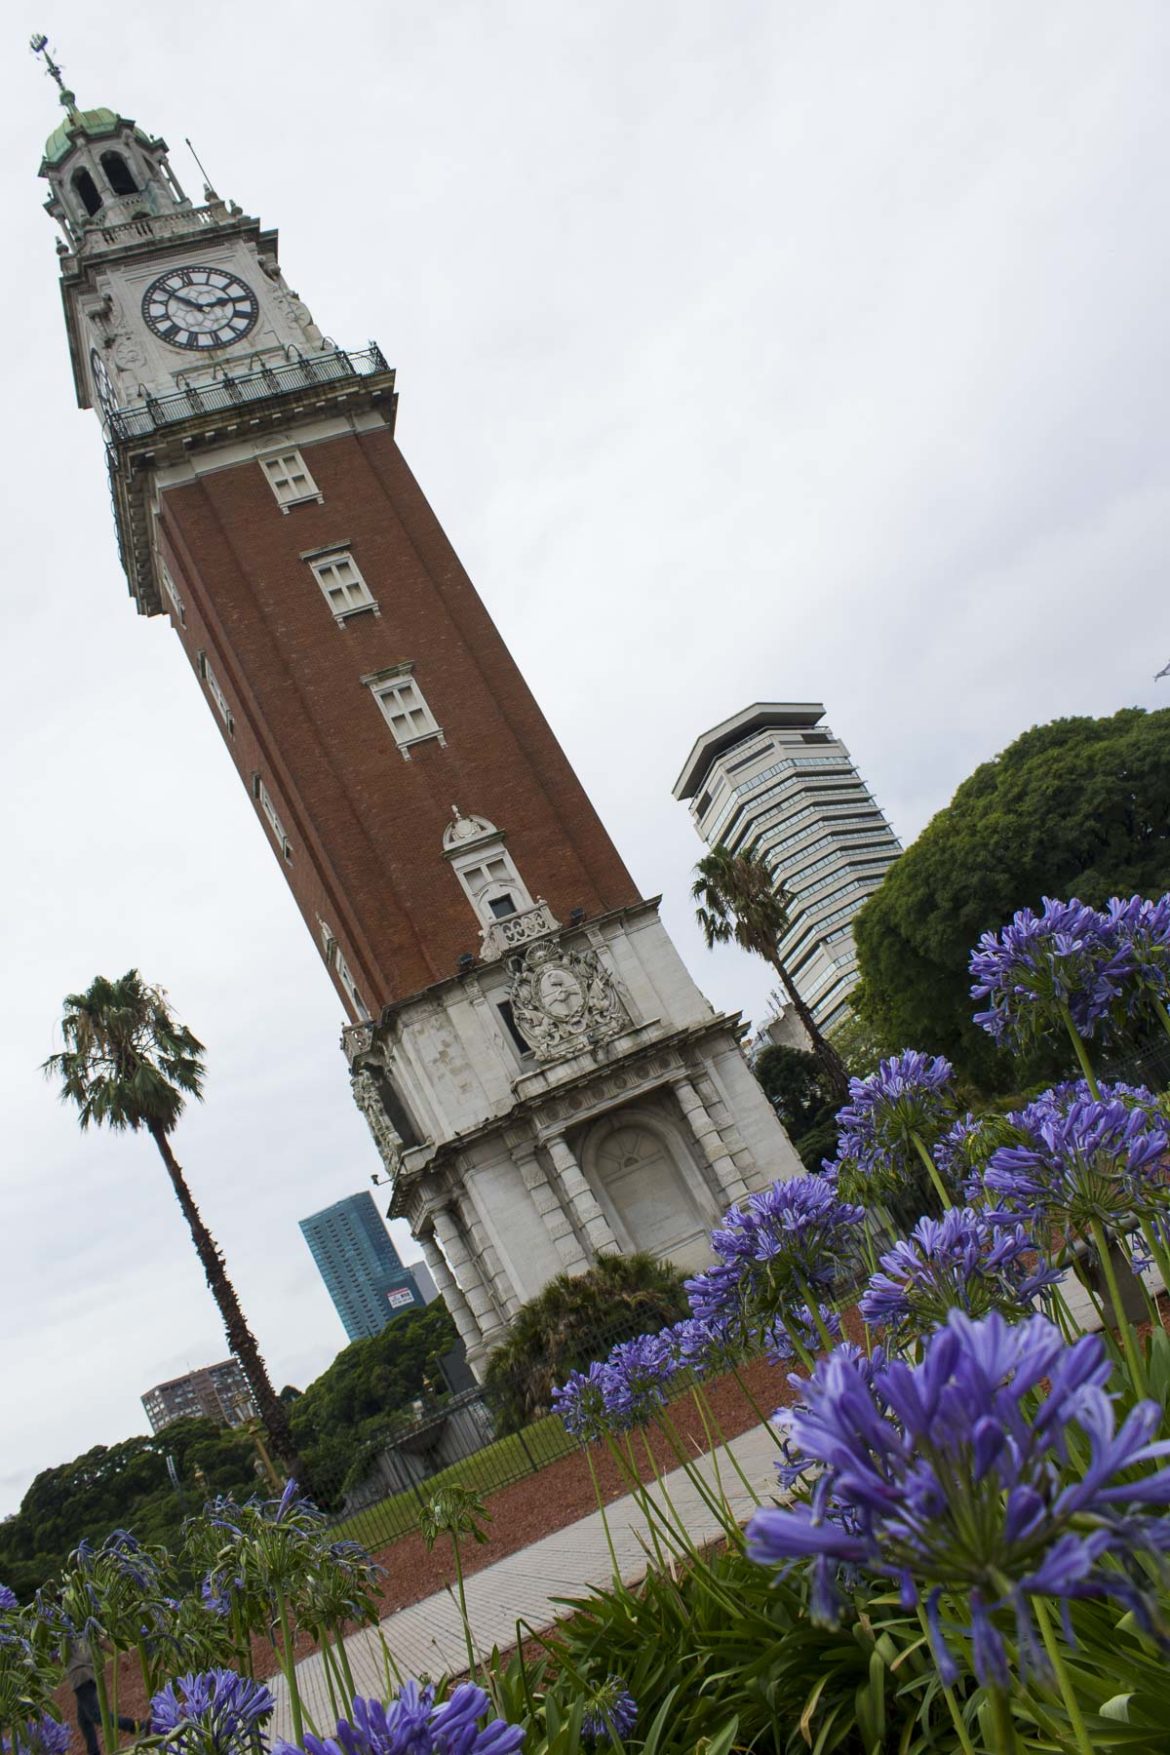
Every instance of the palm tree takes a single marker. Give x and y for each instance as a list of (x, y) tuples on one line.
[(128, 1063), (738, 902)]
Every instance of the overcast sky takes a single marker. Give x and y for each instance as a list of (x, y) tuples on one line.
[(745, 351)]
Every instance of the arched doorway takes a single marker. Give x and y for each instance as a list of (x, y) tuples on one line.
[(648, 1195)]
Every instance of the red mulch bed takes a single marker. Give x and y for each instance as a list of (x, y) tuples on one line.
[(559, 1494)]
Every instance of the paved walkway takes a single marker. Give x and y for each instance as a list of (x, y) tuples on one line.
[(428, 1636)]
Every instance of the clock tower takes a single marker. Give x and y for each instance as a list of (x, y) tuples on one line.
[(542, 1079)]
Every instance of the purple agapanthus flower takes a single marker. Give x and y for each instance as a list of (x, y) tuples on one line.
[(637, 1376), (701, 1345), (209, 1713), (797, 1323), (891, 1118), (958, 1479), (411, 1724), (963, 1261), (1143, 927), (773, 1249), (611, 1714), (1092, 1160), (38, 1736), (7, 1597), (1041, 971), (581, 1401)]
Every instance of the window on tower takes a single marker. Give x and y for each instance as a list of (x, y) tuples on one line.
[(290, 480), (405, 710), (86, 191), (216, 693), (336, 962), (341, 582), (493, 885), (118, 174), (172, 591), (264, 799)]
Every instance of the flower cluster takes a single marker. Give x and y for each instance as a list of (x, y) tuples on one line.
[(611, 1714), (209, 1713), (1087, 1160), (955, 1478), (413, 1725), (963, 1261), (7, 1597), (1063, 965), (892, 1121), (774, 1250), (1143, 927), (38, 1736)]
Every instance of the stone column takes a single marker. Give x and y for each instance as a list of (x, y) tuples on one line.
[(461, 1312), (485, 1253), (706, 1136), (466, 1271), (593, 1222), (544, 1199)]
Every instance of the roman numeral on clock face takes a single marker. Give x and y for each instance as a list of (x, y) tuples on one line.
[(200, 307)]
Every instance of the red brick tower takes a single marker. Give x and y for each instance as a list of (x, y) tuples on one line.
[(541, 1076)]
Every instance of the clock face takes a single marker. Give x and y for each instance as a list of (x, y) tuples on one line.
[(101, 380), (200, 307)]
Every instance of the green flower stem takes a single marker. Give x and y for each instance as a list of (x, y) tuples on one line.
[(940, 1187), (328, 1662), (1081, 1053), (389, 1666), (642, 1499), (716, 1504), (1124, 1326), (288, 1665), (710, 1421), (813, 1303), (679, 1525), (343, 1659), (1160, 1254), (755, 1406), (798, 1346), (1063, 1680), (1003, 1724), (1160, 1008), (463, 1616), (1067, 1323), (948, 1694), (109, 1735), (617, 1577)]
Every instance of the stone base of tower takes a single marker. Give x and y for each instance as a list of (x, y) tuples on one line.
[(573, 1095)]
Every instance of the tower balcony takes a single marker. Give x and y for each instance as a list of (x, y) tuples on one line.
[(230, 391), (514, 930)]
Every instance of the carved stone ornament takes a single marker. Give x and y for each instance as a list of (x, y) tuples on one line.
[(386, 1136), (562, 1000)]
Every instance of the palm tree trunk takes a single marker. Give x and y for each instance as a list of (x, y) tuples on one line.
[(239, 1336), (831, 1063)]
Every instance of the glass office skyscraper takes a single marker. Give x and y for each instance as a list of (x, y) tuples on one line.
[(360, 1266)]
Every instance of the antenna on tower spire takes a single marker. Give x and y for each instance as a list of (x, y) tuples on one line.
[(209, 193), (39, 44)]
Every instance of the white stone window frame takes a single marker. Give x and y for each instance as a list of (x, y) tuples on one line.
[(391, 689), (269, 811), (467, 866), (215, 690), (325, 561), (172, 592), (335, 962), (279, 478)]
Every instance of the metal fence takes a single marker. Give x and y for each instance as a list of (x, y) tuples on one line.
[(474, 1437)]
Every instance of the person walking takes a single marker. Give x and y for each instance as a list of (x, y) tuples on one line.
[(80, 1674)]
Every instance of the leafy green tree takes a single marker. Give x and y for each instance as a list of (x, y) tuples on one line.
[(739, 902), (357, 1402), (128, 1063), (122, 1486), (575, 1319), (794, 1083), (1079, 807)]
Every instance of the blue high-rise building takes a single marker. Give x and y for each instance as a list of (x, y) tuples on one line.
[(360, 1266)]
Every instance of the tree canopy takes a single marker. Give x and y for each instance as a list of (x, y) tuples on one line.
[(1079, 807), (794, 1083), (353, 1403), (119, 1486), (575, 1319)]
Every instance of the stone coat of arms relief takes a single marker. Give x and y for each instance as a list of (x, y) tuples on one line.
[(562, 1000)]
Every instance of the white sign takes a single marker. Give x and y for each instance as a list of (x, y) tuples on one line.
[(400, 1297)]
